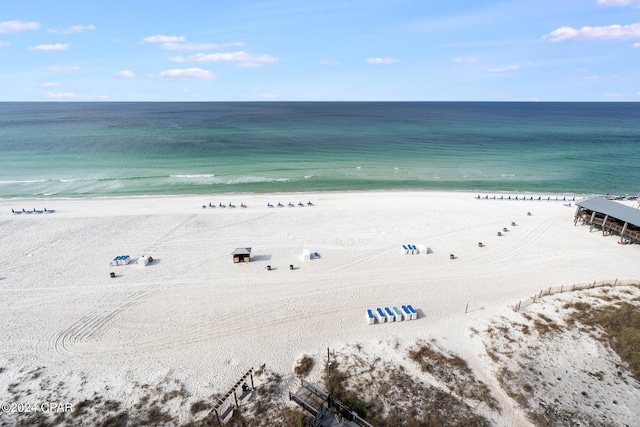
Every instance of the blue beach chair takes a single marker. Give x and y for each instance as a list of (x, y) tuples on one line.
[(390, 314), (370, 319), (414, 314)]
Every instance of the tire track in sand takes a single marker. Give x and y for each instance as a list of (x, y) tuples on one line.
[(92, 324)]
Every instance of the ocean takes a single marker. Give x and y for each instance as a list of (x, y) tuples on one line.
[(120, 149)]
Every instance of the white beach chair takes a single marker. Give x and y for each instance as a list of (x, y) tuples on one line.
[(406, 314), (370, 319), (414, 314), (390, 315)]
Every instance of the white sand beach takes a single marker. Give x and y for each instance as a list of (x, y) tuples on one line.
[(194, 316)]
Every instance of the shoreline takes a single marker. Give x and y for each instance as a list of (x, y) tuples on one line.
[(319, 192)]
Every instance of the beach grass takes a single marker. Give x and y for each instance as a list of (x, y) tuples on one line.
[(620, 323)]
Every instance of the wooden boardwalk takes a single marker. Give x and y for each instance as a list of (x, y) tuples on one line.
[(318, 403)]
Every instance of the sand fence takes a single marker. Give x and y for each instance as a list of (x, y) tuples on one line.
[(576, 287)]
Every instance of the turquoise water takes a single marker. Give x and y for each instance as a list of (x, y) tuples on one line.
[(111, 149)]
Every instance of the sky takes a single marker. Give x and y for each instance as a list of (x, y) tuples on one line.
[(329, 50)]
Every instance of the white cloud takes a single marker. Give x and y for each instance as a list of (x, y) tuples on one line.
[(61, 68), (125, 74), (593, 33), (74, 29), (164, 39), (17, 26), (178, 43), (176, 58), (270, 96), (612, 95), (330, 61), (71, 95), (50, 84), (4, 44), (242, 58), (636, 45), (467, 59), (187, 73), (381, 60), (50, 47), (198, 46), (504, 69), (618, 2)]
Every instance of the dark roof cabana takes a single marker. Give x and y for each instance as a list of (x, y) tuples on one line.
[(241, 255), (611, 217)]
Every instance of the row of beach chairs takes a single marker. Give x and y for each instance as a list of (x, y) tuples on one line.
[(539, 198), (242, 205), (395, 314), (291, 205), (18, 212), (413, 249), (222, 205), (120, 260)]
